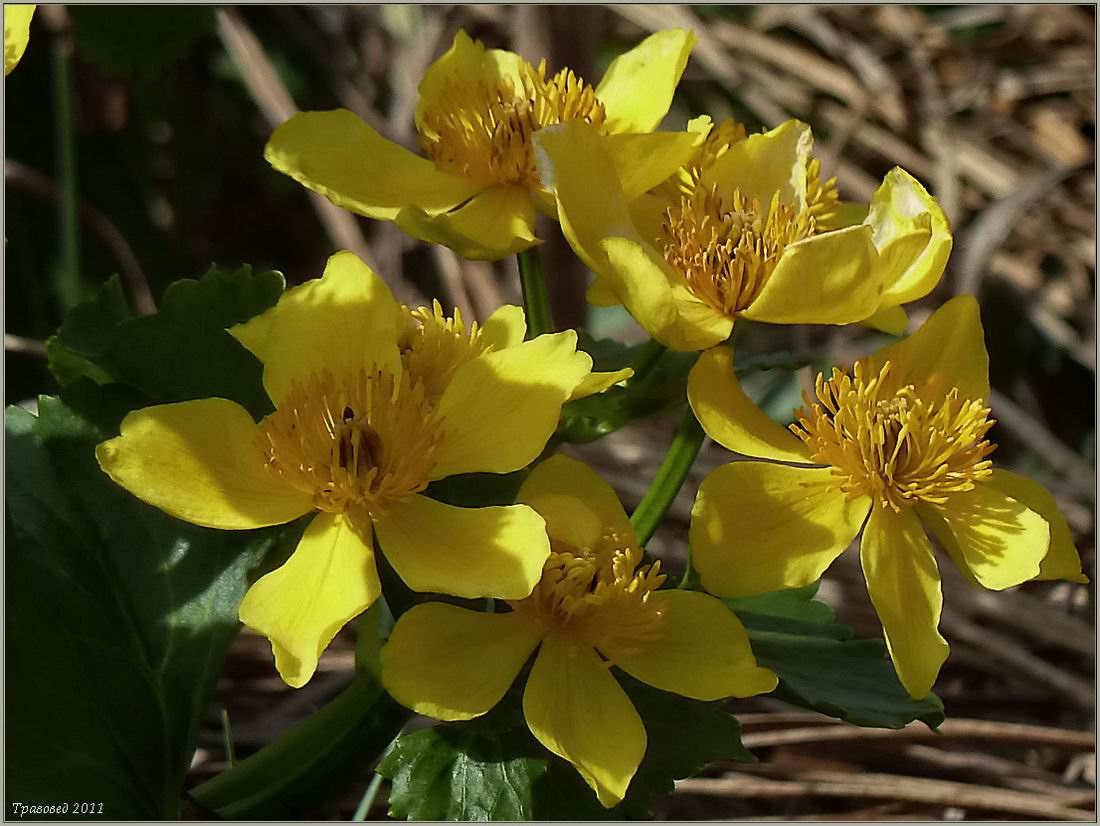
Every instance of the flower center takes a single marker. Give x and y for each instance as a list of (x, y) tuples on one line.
[(365, 441), (599, 594), (885, 442), (434, 346), (483, 129), (727, 248)]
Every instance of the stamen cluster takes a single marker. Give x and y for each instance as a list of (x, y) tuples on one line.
[(483, 129), (433, 346), (600, 594), (884, 441), (727, 248), (365, 441)]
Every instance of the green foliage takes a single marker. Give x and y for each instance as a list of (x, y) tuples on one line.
[(119, 620), (138, 41), (492, 768), (822, 668), (183, 351), (662, 389)]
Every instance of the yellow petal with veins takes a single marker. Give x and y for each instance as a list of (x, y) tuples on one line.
[(904, 585), (493, 552), (329, 579), (702, 651), (758, 527), (731, 418), (451, 663), (201, 462), (575, 709), (638, 86), (500, 409), (577, 504), (348, 317), (495, 223)]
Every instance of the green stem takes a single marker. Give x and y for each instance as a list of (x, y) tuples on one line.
[(647, 359), (367, 802), (536, 303), (301, 769), (67, 273), (669, 479)]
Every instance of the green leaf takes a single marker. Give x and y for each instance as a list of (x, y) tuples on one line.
[(183, 351), (118, 624), (135, 40), (492, 768), (662, 389), (822, 668)]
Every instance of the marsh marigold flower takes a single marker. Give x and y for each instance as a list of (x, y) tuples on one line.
[(894, 445), (745, 228), (478, 188), (597, 605), (17, 32), (365, 417)]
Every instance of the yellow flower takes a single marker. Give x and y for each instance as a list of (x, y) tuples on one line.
[(17, 31), (897, 444), (746, 228), (595, 606), (478, 188), (360, 427), (433, 346)]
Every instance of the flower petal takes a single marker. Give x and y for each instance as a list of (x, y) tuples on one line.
[(644, 160), (658, 300), (638, 86), (731, 418), (947, 351), (463, 61), (577, 504), (904, 585), (892, 320), (576, 709), (329, 579), (200, 461), (758, 527), (999, 540), (703, 651), (450, 663), (465, 552), (595, 383), (913, 235), (506, 326), (825, 279), (765, 164), (500, 409), (495, 223), (343, 322), (17, 32), (337, 155), (575, 164), (1062, 560)]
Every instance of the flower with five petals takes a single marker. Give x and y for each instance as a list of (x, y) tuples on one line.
[(595, 606), (360, 427), (892, 446), (478, 188)]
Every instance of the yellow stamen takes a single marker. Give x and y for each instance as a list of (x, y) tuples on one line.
[(727, 248), (599, 594), (434, 346), (481, 128), (883, 441), (822, 199), (365, 441), (714, 145)]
